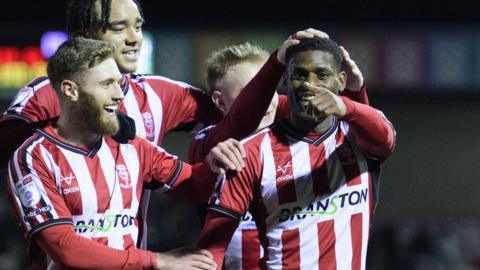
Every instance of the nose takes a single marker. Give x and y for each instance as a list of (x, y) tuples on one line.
[(118, 95), (312, 78), (133, 35)]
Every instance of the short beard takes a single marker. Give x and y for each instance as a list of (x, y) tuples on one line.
[(90, 114)]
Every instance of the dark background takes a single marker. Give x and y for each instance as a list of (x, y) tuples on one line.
[(428, 216)]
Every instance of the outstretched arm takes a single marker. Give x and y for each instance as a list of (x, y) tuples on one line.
[(71, 250), (216, 235)]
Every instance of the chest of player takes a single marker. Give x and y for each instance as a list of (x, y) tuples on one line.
[(145, 107), (304, 182), (100, 191)]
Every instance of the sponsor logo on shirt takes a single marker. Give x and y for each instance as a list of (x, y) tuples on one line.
[(104, 224), (327, 206), (28, 191), (37, 211), (282, 172), (149, 126), (124, 177), (66, 182)]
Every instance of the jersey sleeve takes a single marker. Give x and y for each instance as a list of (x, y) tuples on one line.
[(234, 193), (170, 174), (35, 102), (33, 192), (185, 107), (249, 107), (71, 250), (216, 235), (373, 132), (358, 96)]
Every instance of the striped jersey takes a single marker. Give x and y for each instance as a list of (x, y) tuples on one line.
[(96, 190), (312, 197), (157, 104)]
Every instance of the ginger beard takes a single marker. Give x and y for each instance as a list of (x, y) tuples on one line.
[(95, 117)]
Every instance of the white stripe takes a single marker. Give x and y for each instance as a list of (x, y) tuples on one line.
[(309, 250), (156, 107), (343, 244), (132, 109), (107, 163), (87, 189), (268, 182)]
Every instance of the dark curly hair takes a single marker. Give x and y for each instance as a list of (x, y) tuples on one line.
[(317, 44), (82, 17)]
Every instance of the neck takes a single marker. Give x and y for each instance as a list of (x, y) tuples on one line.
[(75, 132), (305, 126)]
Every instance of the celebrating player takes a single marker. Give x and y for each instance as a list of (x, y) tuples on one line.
[(228, 71), (310, 181), (76, 191), (156, 104)]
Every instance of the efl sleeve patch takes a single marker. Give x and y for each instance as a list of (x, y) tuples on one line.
[(28, 191)]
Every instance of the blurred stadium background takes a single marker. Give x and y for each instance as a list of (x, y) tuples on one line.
[(421, 62)]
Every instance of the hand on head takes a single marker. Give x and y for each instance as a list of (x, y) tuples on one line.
[(295, 39)]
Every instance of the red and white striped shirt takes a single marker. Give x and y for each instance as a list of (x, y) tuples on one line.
[(312, 197), (157, 104), (96, 190)]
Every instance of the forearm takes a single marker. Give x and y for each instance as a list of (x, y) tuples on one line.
[(216, 235), (198, 187), (373, 132), (250, 106), (68, 249)]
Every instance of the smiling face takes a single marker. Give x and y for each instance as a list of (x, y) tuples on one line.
[(124, 32), (317, 68), (99, 98)]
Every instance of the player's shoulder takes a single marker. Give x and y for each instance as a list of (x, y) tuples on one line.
[(252, 144), (156, 81)]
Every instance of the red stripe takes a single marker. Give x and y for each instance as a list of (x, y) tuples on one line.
[(356, 231), (128, 242), (349, 162), (284, 170), (99, 182), (291, 249), (326, 244), (321, 185), (250, 249)]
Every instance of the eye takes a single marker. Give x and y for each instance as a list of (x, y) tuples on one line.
[(117, 29), (138, 28)]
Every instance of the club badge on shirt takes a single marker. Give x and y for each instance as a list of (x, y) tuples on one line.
[(28, 191)]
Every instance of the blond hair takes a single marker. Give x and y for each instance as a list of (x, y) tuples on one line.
[(221, 60)]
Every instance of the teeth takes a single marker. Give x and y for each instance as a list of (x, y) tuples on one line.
[(111, 108)]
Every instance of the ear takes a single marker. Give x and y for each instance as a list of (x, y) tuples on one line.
[(69, 90), (342, 81), (217, 99)]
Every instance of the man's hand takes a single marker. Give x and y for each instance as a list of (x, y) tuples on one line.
[(225, 155), (354, 75), (295, 39), (182, 259), (324, 103)]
